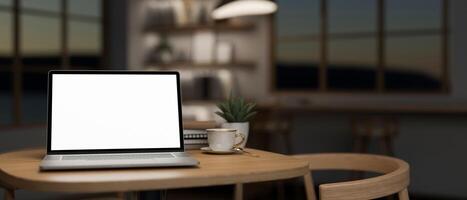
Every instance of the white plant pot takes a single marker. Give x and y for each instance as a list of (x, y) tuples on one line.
[(242, 128)]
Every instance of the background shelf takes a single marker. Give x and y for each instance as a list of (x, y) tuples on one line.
[(189, 65), (193, 28)]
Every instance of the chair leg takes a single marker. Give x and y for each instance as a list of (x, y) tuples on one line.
[(267, 141), (121, 195), (238, 193), (9, 194), (357, 144), (163, 195), (404, 194), (387, 142), (280, 190), (288, 142), (309, 187), (133, 195), (361, 145)]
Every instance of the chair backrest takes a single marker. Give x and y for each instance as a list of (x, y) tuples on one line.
[(394, 179)]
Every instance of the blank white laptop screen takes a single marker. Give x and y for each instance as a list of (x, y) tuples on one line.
[(114, 111)]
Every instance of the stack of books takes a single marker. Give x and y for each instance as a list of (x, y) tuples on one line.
[(194, 133)]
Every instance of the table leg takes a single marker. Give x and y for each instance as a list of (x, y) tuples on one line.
[(121, 195), (404, 194), (309, 187), (133, 195), (238, 191), (9, 194), (280, 190), (163, 195)]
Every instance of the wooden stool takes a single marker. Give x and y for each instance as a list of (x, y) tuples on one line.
[(383, 128), (273, 123), (269, 123)]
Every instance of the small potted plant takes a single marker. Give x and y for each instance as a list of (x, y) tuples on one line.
[(237, 113)]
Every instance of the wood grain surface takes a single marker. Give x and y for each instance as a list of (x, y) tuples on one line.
[(20, 170), (394, 178)]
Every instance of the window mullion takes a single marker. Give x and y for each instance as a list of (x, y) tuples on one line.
[(64, 35), (17, 64), (323, 45), (381, 45), (445, 45)]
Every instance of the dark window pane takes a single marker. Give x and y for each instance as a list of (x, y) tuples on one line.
[(297, 65), (413, 14), (40, 44), (41, 51), (85, 44), (352, 64), (352, 16), (413, 64), (5, 67), (297, 17), (34, 102), (297, 47), (43, 5), (5, 40), (5, 97), (85, 7)]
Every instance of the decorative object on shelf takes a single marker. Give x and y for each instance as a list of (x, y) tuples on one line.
[(160, 13), (203, 15), (208, 88), (163, 52), (237, 8), (224, 52), (195, 9), (237, 112), (203, 47), (181, 12), (166, 13)]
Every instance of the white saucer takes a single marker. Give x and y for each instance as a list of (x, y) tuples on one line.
[(209, 150)]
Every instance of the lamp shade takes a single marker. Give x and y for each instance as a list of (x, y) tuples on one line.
[(232, 8)]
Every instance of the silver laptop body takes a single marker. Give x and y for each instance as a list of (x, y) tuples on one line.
[(114, 119)]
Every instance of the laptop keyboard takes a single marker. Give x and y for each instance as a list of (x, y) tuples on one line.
[(117, 157)]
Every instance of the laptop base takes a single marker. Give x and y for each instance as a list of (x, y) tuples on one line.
[(62, 162)]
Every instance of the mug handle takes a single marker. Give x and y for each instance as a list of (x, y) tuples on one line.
[(239, 135)]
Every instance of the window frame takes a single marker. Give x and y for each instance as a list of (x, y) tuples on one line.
[(381, 34), (17, 68)]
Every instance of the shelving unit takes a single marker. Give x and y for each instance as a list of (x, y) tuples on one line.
[(224, 27), (219, 28), (213, 66), (248, 37)]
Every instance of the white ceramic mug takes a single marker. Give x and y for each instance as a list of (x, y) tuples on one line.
[(223, 139)]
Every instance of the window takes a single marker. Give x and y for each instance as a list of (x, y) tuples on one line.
[(40, 36), (381, 46)]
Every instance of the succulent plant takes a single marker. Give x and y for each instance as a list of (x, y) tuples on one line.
[(236, 110)]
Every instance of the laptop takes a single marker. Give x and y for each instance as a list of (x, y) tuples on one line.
[(114, 119)]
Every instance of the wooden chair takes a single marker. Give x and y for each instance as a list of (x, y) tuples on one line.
[(383, 128), (394, 178), (271, 123)]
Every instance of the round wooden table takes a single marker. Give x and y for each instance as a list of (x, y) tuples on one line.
[(20, 170)]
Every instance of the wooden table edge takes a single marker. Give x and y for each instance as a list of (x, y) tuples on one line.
[(12, 182), (40, 186)]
